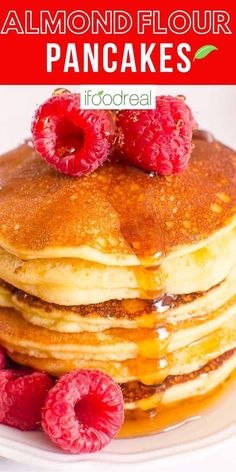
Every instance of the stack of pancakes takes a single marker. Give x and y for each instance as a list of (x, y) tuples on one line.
[(122, 271)]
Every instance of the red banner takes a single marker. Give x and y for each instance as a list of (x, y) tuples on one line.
[(185, 42)]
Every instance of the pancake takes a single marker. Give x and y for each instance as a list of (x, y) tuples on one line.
[(5, 295), (77, 282), (147, 371), (174, 388), (114, 344), (117, 215), (178, 388), (125, 354), (189, 310)]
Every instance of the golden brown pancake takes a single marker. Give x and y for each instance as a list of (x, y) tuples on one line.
[(112, 344), (141, 354), (68, 281), (118, 214), (177, 387), (182, 310), (173, 389)]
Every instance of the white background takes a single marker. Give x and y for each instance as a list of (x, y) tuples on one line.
[(215, 110)]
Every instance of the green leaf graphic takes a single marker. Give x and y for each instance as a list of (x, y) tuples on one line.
[(204, 51), (101, 92)]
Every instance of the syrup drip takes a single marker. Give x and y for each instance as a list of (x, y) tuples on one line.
[(64, 151), (155, 361), (60, 91), (181, 97), (70, 138), (142, 230)]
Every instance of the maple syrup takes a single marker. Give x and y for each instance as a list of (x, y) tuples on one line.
[(175, 415)]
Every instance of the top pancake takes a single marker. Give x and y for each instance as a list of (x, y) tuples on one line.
[(118, 215)]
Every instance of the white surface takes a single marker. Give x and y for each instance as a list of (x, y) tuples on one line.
[(175, 451), (214, 108)]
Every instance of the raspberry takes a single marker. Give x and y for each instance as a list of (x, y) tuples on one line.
[(22, 395), (2, 358), (158, 140), (72, 140), (84, 411)]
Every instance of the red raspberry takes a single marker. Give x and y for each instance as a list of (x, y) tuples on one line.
[(84, 411), (72, 140), (2, 358), (158, 140), (22, 395)]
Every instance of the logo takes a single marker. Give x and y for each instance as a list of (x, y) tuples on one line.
[(115, 97)]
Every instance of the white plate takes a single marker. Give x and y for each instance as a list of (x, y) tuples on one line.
[(217, 425)]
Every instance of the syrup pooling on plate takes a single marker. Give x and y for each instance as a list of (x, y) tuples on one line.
[(164, 417)]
